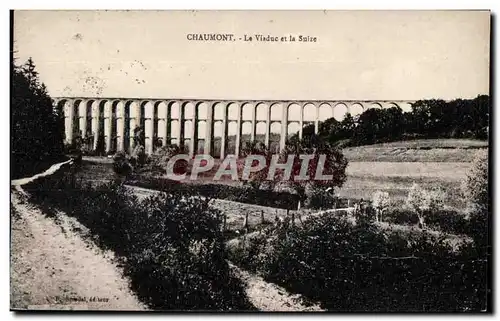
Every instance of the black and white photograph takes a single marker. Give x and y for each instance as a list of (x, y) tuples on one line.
[(251, 161)]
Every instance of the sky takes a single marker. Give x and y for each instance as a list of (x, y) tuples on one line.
[(358, 55)]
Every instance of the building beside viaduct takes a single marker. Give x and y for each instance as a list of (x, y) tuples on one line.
[(198, 123)]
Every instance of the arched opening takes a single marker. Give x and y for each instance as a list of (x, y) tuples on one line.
[(162, 138), (325, 112), (276, 111), (356, 109), (339, 111), (247, 110), (246, 131), (262, 111), (218, 132), (294, 111), (293, 128), (219, 111), (274, 138)]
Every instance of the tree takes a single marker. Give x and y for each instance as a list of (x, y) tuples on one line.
[(257, 180), (475, 186), (423, 202), (477, 194), (380, 201), (37, 128), (335, 164)]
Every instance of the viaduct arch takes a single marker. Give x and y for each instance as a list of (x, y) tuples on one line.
[(198, 123)]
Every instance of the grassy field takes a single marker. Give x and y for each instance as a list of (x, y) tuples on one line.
[(424, 150), (391, 167), (394, 167)]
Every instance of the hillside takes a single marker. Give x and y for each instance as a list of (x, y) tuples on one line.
[(424, 150)]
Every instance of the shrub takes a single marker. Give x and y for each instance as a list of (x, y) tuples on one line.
[(138, 157), (380, 201), (334, 165), (371, 270), (423, 201), (170, 245), (475, 186), (476, 192), (319, 198), (121, 164), (257, 180)]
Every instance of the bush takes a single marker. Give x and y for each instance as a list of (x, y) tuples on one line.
[(232, 193), (320, 199), (359, 268), (423, 201), (170, 245), (476, 192), (121, 164), (475, 186), (139, 157), (380, 202)]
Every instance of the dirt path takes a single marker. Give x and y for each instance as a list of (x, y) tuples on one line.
[(53, 267), (267, 296)]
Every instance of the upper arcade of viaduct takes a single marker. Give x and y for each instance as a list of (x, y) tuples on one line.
[(196, 123)]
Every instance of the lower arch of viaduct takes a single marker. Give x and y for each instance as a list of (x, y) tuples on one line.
[(197, 124)]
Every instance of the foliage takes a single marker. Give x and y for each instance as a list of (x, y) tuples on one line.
[(432, 118), (258, 179), (121, 164), (380, 201), (475, 186), (231, 193), (170, 245), (334, 164), (423, 201), (477, 194), (368, 269), (320, 198), (37, 128), (139, 157), (161, 157)]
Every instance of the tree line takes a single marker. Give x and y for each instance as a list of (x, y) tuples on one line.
[(431, 118)]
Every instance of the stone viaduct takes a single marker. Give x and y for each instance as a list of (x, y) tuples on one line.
[(197, 123)]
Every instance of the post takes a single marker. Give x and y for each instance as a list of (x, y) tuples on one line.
[(268, 126), (163, 123), (301, 122), (95, 122), (207, 149), (149, 128), (108, 118), (238, 133), (120, 126), (82, 112), (224, 133), (262, 221), (180, 130), (193, 133), (284, 128), (69, 120), (254, 123), (245, 223), (316, 121), (135, 121)]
